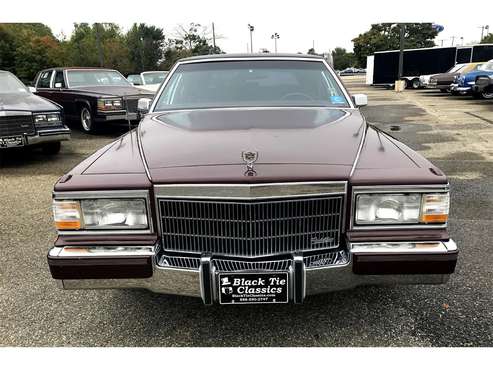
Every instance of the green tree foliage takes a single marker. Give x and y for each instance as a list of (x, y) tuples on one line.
[(26, 48), (190, 41), (385, 36), (488, 39), (145, 44), (342, 59)]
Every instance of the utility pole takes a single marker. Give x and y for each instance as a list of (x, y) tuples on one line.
[(98, 43), (453, 39), (483, 28), (213, 37), (251, 29), (402, 31), (275, 37)]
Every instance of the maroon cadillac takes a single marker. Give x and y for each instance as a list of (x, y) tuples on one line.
[(252, 179)]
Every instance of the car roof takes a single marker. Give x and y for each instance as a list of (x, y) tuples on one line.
[(252, 56)]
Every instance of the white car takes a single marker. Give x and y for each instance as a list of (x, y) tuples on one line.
[(150, 80)]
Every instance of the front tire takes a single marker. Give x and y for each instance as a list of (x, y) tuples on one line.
[(52, 148), (487, 94), (87, 120), (415, 84)]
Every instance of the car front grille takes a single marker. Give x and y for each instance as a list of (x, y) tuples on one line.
[(17, 125), (131, 104), (251, 228)]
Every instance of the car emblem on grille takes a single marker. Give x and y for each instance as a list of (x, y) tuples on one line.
[(249, 158)]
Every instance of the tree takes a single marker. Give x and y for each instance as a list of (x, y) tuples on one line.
[(342, 59), (488, 39), (190, 41), (145, 44), (385, 36)]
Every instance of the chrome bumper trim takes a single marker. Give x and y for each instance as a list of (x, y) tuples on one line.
[(189, 282), (48, 136)]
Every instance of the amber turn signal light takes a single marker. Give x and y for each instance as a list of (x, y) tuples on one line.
[(67, 215)]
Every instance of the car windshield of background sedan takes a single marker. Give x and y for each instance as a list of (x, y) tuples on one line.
[(151, 78), (251, 84), (9, 84), (488, 66), (77, 78)]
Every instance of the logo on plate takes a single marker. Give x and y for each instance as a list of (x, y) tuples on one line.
[(225, 281), (227, 290)]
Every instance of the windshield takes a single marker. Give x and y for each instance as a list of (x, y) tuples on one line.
[(488, 66), (93, 77), (10, 84), (151, 78), (251, 83)]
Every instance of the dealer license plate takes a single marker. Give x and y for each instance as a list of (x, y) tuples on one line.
[(251, 288), (11, 141)]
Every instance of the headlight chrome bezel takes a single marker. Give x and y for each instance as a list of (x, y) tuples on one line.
[(124, 195), (422, 190), (47, 119), (109, 104)]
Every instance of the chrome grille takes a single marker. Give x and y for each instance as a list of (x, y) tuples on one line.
[(229, 265), (326, 259), (251, 228), (17, 125), (131, 104)]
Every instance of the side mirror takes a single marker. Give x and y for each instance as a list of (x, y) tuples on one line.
[(32, 89), (360, 100), (58, 85), (143, 105)]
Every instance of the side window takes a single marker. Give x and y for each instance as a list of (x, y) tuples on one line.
[(44, 80), (59, 81)]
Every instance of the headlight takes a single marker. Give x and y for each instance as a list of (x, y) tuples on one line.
[(100, 214), (47, 119), (110, 104), (399, 208)]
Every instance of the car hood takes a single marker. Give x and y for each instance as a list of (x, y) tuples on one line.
[(112, 90), (445, 76), (25, 102), (214, 139), (472, 75)]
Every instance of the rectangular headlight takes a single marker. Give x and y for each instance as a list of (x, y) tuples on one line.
[(110, 104), (401, 208), (45, 119), (102, 214)]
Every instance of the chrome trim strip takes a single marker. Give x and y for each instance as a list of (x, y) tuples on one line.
[(383, 189), (402, 247), (103, 251), (107, 194), (142, 155), (251, 191), (360, 149)]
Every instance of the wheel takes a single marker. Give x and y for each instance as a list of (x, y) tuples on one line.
[(87, 120), (52, 148), (415, 84), (487, 94)]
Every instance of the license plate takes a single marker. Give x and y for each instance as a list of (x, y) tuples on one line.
[(11, 141), (253, 287)]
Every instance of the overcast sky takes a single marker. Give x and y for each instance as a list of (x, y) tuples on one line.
[(299, 23)]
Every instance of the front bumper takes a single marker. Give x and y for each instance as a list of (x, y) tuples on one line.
[(366, 264), (44, 136), (460, 89), (116, 116)]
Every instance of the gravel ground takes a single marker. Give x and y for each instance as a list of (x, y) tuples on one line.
[(34, 312)]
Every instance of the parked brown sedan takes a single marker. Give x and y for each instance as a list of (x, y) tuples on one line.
[(252, 179), (442, 81)]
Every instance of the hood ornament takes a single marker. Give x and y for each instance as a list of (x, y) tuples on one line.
[(249, 158)]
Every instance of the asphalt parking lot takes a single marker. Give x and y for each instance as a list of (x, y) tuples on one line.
[(456, 133)]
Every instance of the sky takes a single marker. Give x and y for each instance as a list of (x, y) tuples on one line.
[(327, 24)]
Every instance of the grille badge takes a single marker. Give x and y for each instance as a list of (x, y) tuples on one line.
[(249, 158)]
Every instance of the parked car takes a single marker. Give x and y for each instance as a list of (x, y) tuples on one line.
[(252, 179), (150, 80), (464, 83), (484, 87), (93, 96), (27, 119), (442, 81)]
